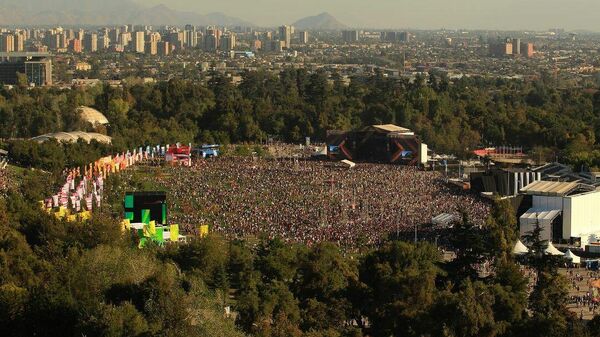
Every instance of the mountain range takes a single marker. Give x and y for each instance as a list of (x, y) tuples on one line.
[(113, 12), (323, 21), (93, 12)]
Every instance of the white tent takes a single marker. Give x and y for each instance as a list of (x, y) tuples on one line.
[(551, 250), (574, 258), (519, 248), (444, 219), (348, 163)]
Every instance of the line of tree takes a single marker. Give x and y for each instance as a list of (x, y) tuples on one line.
[(452, 116)]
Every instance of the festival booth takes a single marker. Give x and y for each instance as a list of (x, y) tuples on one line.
[(179, 155), (551, 250), (519, 249), (143, 233), (574, 259), (145, 217)]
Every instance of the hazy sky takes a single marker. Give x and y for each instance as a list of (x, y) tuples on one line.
[(492, 14)]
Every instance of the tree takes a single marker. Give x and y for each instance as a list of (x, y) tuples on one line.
[(469, 312), (503, 230), (400, 288), (548, 303), (469, 243)]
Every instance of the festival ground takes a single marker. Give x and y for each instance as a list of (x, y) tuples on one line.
[(307, 201)]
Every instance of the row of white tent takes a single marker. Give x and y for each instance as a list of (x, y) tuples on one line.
[(521, 249)]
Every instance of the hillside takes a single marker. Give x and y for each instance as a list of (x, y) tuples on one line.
[(323, 21)]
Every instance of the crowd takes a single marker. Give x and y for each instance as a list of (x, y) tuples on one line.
[(6, 181), (583, 296), (312, 201)]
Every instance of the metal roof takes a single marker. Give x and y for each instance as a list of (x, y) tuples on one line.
[(73, 137), (92, 116), (550, 188)]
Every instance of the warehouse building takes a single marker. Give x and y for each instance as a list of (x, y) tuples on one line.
[(566, 211)]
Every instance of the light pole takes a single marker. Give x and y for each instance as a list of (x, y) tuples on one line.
[(415, 233)]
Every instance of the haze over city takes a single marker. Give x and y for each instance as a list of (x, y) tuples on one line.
[(424, 14)]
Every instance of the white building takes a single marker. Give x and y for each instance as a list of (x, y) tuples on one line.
[(564, 210)]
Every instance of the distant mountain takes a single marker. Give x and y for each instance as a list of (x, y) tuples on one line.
[(323, 21), (105, 12)]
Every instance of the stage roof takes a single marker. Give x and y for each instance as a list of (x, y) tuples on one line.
[(390, 128)]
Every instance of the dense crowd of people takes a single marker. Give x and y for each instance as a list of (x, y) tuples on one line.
[(6, 181), (312, 201)]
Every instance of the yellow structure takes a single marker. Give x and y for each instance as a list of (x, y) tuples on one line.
[(152, 227), (174, 233), (203, 230), (125, 225)]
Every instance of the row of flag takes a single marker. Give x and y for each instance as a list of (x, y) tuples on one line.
[(84, 186)]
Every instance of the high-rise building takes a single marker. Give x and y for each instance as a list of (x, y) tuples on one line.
[(52, 40), (388, 36), (63, 41), (276, 46), (37, 67), (256, 45), (350, 36), (527, 49), (501, 49), (125, 39), (210, 42), (75, 46), (304, 37), (154, 37), (228, 42), (20, 41), (285, 35), (79, 34), (164, 48), (516, 46), (176, 39), (7, 43), (104, 42), (114, 35), (404, 37), (191, 39), (90, 42), (395, 36), (152, 47), (139, 43)]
